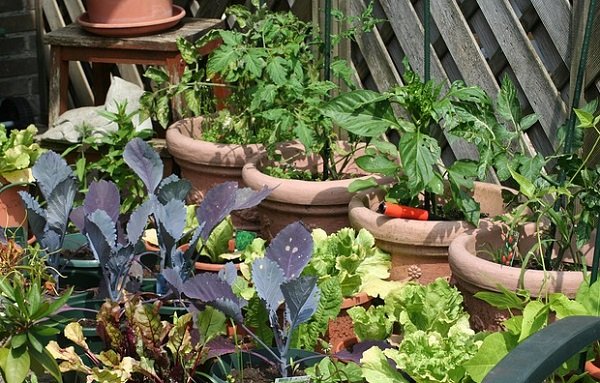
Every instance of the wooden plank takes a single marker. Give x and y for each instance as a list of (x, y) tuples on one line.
[(74, 8), (556, 17), (379, 61), (408, 29), (529, 70), (463, 47), (82, 89)]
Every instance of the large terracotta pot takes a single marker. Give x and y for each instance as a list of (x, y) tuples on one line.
[(128, 11), (419, 249), (206, 164), (322, 204), (473, 271)]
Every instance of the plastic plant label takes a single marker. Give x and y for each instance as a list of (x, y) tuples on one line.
[(294, 379)]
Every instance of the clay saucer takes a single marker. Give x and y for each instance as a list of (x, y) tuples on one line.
[(131, 29)]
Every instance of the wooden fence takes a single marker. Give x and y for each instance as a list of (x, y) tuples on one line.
[(477, 41)]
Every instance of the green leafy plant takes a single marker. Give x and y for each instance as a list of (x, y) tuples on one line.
[(372, 323), (330, 370), (462, 112), (110, 164), (271, 69), (25, 327), (141, 346), (18, 153), (534, 315), (436, 337), (563, 202)]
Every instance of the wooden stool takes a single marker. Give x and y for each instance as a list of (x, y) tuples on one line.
[(73, 43)]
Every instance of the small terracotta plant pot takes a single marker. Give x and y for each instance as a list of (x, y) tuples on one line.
[(592, 367), (419, 249), (344, 344), (12, 210), (342, 328), (128, 11), (211, 267), (473, 270)]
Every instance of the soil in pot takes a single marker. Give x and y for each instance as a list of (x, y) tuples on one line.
[(473, 270), (419, 249)]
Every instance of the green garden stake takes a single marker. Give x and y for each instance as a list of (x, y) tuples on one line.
[(426, 40)]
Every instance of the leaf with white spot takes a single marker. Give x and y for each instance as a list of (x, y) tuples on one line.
[(291, 249)]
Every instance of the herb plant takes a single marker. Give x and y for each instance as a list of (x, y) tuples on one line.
[(564, 203), (277, 280), (49, 222), (462, 112), (25, 326), (142, 347), (110, 165)]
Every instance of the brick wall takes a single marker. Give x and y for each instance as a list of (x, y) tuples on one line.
[(18, 52)]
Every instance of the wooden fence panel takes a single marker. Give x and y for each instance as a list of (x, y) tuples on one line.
[(479, 42)]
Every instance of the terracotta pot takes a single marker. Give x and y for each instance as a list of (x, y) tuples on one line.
[(592, 367), (206, 164), (128, 11), (212, 267), (322, 204), (473, 271), (12, 210), (342, 328), (419, 249)]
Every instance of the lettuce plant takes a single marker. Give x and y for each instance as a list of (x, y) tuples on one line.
[(18, 153), (437, 339), (57, 184), (277, 280), (167, 207)]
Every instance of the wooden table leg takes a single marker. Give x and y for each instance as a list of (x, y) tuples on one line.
[(175, 67), (59, 85)]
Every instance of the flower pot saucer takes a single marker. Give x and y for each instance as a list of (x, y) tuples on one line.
[(131, 29)]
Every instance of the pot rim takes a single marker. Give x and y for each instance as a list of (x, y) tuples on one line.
[(487, 275)]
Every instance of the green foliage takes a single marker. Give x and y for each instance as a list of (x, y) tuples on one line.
[(463, 112), (110, 165), (352, 259), (563, 203), (142, 347), (25, 327), (18, 153), (371, 324), (437, 339), (536, 314), (270, 66), (329, 370)]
